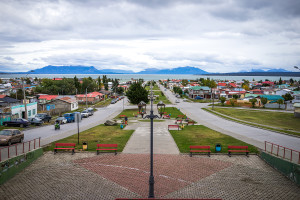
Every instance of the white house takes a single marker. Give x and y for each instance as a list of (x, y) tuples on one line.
[(19, 110)]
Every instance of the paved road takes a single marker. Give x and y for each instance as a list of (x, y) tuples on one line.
[(251, 135), (48, 134)]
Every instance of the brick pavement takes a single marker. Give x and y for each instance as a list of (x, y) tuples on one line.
[(87, 176)]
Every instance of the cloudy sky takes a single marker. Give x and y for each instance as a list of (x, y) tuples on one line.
[(213, 35)]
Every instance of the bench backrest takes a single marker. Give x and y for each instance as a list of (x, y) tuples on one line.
[(173, 126), (237, 147), (65, 144), (199, 147), (107, 145)]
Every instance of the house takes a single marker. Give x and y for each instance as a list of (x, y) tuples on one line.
[(201, 91), (283, 86), (256, 91), (283, 92), (46, 98), (221, 85), (18, 111), (8, 101), (92, 97), (65, 104), (269, 92)]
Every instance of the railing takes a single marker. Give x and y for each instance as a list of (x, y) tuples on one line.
[(19, 148), (284, 152)]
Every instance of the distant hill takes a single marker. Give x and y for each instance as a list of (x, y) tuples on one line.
[(76, 70), (178, 70), (261, 70), (291, 74)]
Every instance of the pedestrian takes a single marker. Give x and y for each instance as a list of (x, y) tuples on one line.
[(126, 119)]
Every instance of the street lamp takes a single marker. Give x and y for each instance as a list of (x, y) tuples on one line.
[(86, 96), (151, 117), (161, 107), (142, 108), (25, 104)]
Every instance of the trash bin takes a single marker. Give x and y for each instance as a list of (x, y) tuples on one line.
[(218, 148), (84, 145)]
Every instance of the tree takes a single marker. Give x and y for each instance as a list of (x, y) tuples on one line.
[(280, 81), (222, 99), (280, 101), (120, 90), (186, 91), (235, 96), (287, 97), (184, 82), (264, 101), (99, 83), (76, 83), (253, 101), (232, 101), (136, 93), (291, 81)]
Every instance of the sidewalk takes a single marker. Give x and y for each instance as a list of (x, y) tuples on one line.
[(87, 176), (139, 142)]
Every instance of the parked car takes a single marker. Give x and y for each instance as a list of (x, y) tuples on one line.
[(44, 116), (9, 136), (185, 100), (61, 120), (85, 113), (113, 101), (35, 121), (177, 101), (198, 97), (91, 111), (70, 117), (17, 122)]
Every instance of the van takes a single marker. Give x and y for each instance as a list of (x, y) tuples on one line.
[(70, 117), (91, 111)]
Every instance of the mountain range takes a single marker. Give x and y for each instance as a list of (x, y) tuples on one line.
[(179, 70)]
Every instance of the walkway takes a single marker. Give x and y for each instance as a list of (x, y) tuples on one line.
[(139, 142), (87, 176)]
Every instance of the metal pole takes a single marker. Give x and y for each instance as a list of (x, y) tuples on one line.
[(24, 100), (78, 115), (123, 103), (86, 97), (151, 178)]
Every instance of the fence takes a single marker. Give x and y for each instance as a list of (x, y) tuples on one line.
[(284, 152), (19, 148)]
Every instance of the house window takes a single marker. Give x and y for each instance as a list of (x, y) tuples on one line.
[(297, 97), (29, 113), (72, 105), (33, 111)]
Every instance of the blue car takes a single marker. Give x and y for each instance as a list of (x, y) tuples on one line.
[(197, 97), (70, 117)]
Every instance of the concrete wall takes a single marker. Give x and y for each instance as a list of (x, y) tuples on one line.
[(11, 167), (274, 105), (31, 110), (289, 169)]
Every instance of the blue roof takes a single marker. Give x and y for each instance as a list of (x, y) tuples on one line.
[(272, 97), (200, 88)]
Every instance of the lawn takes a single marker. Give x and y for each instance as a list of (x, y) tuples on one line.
[(173, 111), (161, 97), (128, 113), (103, 103), (201, 135), (96, 135), (282, 120), (155, 87)]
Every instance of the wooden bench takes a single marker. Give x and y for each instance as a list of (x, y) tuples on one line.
[(68, 146), (200, 149), (238, 149), (190, 123), (113, 148), (178, 121), (173, 126), (123, 116), (166, 117)]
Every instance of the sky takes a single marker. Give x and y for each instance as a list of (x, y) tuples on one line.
[(213, 35)]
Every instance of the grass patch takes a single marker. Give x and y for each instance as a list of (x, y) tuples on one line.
[(251, 124), (201, 100), (155, 87), (128, 113), (98, 134), (202, 135), (103, 103), (161, 97), (173, 111), (281, 120)]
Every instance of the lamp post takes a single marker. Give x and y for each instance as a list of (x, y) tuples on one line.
[(25, 104), (86, 96), (151, 117)]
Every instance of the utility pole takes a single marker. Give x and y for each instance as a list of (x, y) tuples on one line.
[(86, 97)]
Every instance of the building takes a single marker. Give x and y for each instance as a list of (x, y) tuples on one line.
[(18, 111), (200, 91), (91, 98)]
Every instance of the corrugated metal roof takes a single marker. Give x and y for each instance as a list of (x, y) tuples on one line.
[(200, 88)]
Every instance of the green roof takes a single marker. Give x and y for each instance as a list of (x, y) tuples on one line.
[(251, 95), (296, 92), (200, 88), (272, 97)]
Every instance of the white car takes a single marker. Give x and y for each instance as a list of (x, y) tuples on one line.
[(177, 101), (85, 114)]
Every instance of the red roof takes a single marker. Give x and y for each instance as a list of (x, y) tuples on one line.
[(57, 79), (268, 82), (232, 84), (2, 96), (92, 94), (48, 97), (221, 84)]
